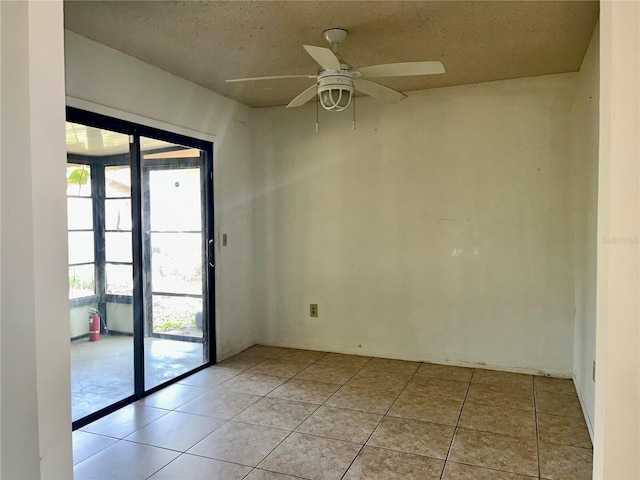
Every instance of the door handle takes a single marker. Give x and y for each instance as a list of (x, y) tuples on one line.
[(210, 253)]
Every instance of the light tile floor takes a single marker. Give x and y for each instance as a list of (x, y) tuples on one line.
[(276, 414)]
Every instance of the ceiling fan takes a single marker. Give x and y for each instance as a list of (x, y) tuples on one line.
[(336, 81)]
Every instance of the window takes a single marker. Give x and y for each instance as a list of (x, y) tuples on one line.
[(82, 271), (117, 213)]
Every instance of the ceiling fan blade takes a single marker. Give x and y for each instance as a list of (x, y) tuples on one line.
[(304, 97), (402, 69), (325, 57), (378, 91), (251, 79)]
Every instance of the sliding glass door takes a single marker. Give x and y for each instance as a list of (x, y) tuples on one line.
[(140, 210), (174, 245), (100, 268)]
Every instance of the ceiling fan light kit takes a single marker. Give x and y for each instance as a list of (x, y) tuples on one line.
[(336, 82), (335, 90)]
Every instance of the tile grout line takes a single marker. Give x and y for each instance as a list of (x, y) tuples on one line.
[(294, 430), (287, 436), (174, 410), (162, 467), (381, 419), (314, 411), (95, 453), (385, 415), (226, 421), (318, 362), (375, 428), (535, 412), (455, 430)]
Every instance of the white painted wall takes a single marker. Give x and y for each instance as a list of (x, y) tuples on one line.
[(1, 132), (106, 77), (120, 317), (439, 230), (617, 406), (19, 454), (585, 207), (36, 414)]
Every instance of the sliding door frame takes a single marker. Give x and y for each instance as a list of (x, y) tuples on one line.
[(135, 132)]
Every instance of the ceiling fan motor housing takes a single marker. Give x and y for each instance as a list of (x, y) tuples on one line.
[(335, 89)]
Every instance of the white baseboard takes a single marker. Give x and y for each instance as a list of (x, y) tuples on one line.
[(426, 359), (587, 419)]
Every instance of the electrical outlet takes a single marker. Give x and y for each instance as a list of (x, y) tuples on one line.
[(594, 370), (313, 309), (224, 239)]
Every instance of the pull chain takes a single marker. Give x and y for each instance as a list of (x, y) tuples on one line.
[(354, 110), (317, 115)]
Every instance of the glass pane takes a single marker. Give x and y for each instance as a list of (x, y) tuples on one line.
[(173, 209), (119, 279), (117, 181), (92, 141), (80, 247), (101, 362), (78, 180), (82, 281), (173, 153), (79, 213), (166, 358), (176, 264), (118, 247), (177, 315), (117, 214), (152, 145), (175, 200)]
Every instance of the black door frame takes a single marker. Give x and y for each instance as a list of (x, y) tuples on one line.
[(173, 164), (135, 131)]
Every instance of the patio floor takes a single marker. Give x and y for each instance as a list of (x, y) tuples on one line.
[(102, 372)]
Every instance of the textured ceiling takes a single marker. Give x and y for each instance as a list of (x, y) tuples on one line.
[(208, 42)]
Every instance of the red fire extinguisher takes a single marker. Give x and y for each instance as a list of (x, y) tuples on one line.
[(94, 325)]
